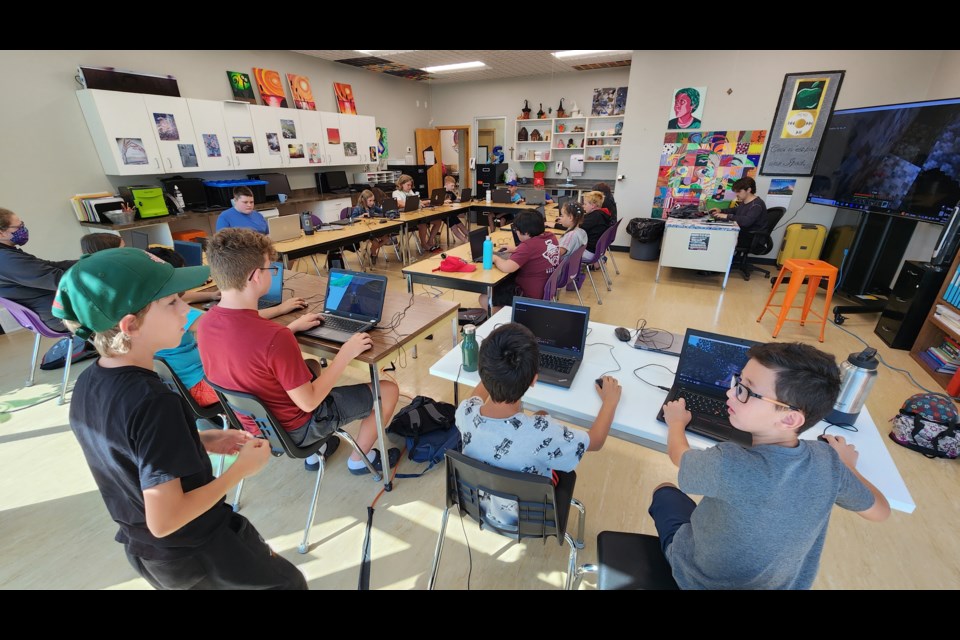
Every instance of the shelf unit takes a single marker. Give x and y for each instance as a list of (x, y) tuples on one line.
[(934, 330), (600, 128)]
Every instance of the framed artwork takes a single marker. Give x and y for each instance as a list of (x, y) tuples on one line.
[(242, 144), (289, 129), (241, 86), (802, 115), (132, 151), (301, 92), (620, 102), (373, 154), (687, 108), (166, 126), (271, 88), (350, 149), (295, 150), (345, 101), (333, 136), (273, 144), (383, 149)]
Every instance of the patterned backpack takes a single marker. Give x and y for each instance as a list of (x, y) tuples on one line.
[(927, 423)]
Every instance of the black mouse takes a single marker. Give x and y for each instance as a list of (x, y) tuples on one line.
[(822, 438), (622, 334), (599, 382)]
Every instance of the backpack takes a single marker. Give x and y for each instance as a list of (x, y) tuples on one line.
[(56, 357), (429, 429), (927, 423)]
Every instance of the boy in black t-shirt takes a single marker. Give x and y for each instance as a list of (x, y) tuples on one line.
[(139, 437)]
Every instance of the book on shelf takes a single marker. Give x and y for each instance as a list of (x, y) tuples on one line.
[(953, 387), (80, 208), (952, 292)]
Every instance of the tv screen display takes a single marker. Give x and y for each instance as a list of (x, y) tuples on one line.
[(277, 183), (332, 181), (900, 160)]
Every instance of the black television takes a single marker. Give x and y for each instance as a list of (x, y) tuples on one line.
[(899, 160), (277, 183), (332, 181)]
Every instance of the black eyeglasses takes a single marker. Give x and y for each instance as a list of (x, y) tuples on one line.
[(744, 393), (273, 269)]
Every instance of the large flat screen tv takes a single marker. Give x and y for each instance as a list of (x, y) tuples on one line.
[(901, 160)]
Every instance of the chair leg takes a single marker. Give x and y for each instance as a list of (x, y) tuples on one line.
[(571, 562), (438, 550), (315, 265), (614, 261), (343, 435), (583, 520), (396, 247), (33, 362), (606, 276), (236, 498), (581, 570), (223, 457), (577, 289), (66, 372), (305, 543), (594, 284)]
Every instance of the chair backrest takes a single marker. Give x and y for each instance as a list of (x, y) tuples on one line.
[(604, 241), (28, 319), (761, 242), (345, 212), (552, 283), (174, 383), (774, 214), (249, 406), (573, 264), (316, 221), (471, 484)]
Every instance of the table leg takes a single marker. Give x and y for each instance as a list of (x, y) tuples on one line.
[(489, 301), (381, 434), (316, 266)]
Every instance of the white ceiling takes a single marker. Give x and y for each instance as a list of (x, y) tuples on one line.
[(500, 64)]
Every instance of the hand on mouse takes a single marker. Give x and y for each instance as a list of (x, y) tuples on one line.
[(291, 304), (305, 322), (847, 452), (610, 391)]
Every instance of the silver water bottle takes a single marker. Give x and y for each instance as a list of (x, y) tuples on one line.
[(857, 375)]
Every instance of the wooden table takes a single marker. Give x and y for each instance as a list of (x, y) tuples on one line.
[(320, 241)]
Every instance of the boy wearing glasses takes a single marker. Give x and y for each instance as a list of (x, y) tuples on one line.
[(765, 508)]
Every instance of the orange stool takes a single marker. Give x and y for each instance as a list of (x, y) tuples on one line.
[(189, 234), (799, 270)]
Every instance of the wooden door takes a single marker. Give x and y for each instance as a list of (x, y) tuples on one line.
[(430, 138)]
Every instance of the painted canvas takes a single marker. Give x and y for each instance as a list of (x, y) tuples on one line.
[(313, 152), (333, 136), (350, 149), (383, 147), (345, 101), (273, 144), (702, 165), (166, 126), (603, 101), (241, 86), (188, 155), (302, 92), (373, 154), (211, 144), (271, 87), (242, 144), (687, 109), (620, 102), (132, 151)]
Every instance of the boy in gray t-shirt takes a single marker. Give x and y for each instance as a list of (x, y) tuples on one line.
[(765, 509)]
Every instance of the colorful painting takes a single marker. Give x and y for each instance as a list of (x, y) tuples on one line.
[(289, 129), (296, 150), (271, 87), (242, 144), (273, 144), (313, 152), (241, 86), (345, 101), (603, 101), (620, 102), (373, 154), (166, 126), (333, 136), (703, 165), (301, 92), (687, 109), (350, 149), (211, 144), (383, 148), (188, 155), (132, 151)]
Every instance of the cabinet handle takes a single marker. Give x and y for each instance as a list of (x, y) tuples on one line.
[(156, 163), (229, 161), (169, 163)]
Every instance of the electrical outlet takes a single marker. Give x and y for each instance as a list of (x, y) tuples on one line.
[(409, 149)]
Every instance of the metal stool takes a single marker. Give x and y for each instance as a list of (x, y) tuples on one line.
[(799, 270)]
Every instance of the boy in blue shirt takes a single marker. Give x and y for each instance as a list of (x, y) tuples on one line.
[(242, 213), (765, 508)]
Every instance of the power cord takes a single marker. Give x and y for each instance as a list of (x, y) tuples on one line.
[(611, 347), (637, 376), (652, 338)]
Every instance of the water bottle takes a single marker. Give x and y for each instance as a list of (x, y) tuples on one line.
[(306, 223), (857, 375), (489, 196), (469, 348), (178, 197), (488, 253)]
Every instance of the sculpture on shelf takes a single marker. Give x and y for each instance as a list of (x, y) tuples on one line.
[(561, 127), (522, 135), (575, 110), (571, 144), (560, 112), (535, 136), (618, 128), (525, 112), (541, 114)]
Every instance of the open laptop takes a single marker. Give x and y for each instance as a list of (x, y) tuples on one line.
[(708, 361), (274, 296), (353, 303), (561, 331), (140, 240), (466, 195), (388, 205), (534, 196), (437, 197), (412, 203), (659, 341), (501, 196), (476, 239), (191, 252), (283, 228)]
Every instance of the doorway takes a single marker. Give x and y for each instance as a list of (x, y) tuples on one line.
[(489, 136)]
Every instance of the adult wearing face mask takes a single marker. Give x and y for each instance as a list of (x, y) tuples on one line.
[(24, 278)]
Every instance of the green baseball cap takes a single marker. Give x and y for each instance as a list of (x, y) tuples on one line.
[(103, 287)]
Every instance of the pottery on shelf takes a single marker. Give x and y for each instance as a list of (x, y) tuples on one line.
[(560, 112), (541, 114), (525, 112), (575, 111)]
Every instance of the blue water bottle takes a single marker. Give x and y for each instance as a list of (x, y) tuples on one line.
[(488, 253)]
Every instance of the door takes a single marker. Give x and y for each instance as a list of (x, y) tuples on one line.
[(176, 139), (242, 143), (213, 146), (430, 138), (455, 140)]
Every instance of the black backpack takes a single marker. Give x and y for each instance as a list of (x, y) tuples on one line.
[(429, 429)]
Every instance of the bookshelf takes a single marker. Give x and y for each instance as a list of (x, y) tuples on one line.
[(934, 329)]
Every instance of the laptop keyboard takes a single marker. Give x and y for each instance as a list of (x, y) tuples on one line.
[(556, 363), (702, 404), (266, 304), (343, 324)]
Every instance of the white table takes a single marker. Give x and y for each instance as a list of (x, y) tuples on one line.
[(692, 244), (636, 416)]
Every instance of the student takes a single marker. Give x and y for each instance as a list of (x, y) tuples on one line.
[(596, 220), (453, 220), (531, 263), (515, 196), (496, 430), (140, 440), (270, 365), (571, 215), (750, 213), (242, 213), (427, 237), (93, 242), (608, 202), (764, 514), (367, 206)]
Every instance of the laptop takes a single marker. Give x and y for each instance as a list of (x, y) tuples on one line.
[(191, 252), (501, 196), (476, 239), (140, 240), (281, 228), (561, 331), (353, 303), (388, 205), (659, 341), (535, 196), (707, 363), (274, 296), (466, 195), (412, 203), (437, 197)]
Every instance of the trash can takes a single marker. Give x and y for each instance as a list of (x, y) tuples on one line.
[(645, 237)]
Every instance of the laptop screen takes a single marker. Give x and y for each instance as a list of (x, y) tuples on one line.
[(559, 328), (191, 252), (477, 237), (355, 295), (276, 284), (140, 240), (711, 360)]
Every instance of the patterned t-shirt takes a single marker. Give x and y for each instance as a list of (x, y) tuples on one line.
[(530, 444)]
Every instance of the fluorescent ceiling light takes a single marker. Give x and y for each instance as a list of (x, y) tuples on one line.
[(460, 66), (583, 53)]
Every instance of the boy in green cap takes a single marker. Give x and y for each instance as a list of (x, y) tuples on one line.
[(140, 440)]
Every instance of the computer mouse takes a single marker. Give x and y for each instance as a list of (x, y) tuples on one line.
[(599, 382), (623, 334), (383, 221), (822, 438)]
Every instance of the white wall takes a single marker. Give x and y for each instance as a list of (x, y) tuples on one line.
[(48, 154)]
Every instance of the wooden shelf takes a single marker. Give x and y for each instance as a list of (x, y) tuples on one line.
[(943, 379), (933, 330)]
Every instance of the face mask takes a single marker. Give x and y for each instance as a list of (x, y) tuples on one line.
[(20, 236)]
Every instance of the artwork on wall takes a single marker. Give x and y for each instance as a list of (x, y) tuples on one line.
[(383, 149), (345, 101), (166, 126), (273, 144), (687, 108), (271, 87), (241, 86), (350, 149), (211, 145), (289, 129), (373, 154), (242, 144), (620, 102), (803, 111), (188, 155), (313, 152), (333, 136), (699, 168), (132, 151), (296, 150), (302, 92), (604, 101), (780, 192)]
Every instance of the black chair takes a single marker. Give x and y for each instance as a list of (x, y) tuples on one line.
[(757, 243), (629, 561), (539, 514), (245, 404)]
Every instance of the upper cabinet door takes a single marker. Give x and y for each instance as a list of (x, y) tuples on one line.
[(312, 133), (178, 144), (357, 135), (214, 147), (333, 139), (243, 145), (276, 131), (124, 137)]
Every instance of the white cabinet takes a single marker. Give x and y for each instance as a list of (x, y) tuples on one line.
[(330, 209), (312, 133), (125, 139), (358, 133), (242, 143), (214, 146), (176, 140), (271, 140)]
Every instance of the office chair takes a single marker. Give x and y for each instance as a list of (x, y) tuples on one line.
[(629, 561), (758, 243), (540, 515), (28, 319)]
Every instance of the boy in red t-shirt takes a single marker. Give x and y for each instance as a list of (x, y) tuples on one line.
[(244, 352), (530, 264)]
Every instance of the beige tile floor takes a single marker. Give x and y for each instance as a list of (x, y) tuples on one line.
[(55, 532)]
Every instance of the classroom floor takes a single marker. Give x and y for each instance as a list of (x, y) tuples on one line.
[(56, 534)]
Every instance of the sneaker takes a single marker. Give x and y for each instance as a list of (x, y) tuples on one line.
[(394, 455), (332, 445)]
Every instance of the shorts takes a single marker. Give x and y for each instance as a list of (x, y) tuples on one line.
[(504, 292), (342, 406), (670, 510), (204, 394)]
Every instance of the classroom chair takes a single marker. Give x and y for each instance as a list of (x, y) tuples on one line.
[(344, 214), (757, 243), (601, 249), (628, 561), (27, 319), (540, 515), (616, 227), (551, 288), (574, 269), (797, 270)]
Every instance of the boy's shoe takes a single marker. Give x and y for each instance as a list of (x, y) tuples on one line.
[(333, 443), (394, 455)]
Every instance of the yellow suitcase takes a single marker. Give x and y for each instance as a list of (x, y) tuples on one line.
[(802, 240)]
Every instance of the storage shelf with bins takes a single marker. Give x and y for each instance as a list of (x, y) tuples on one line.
[(934, 330)]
